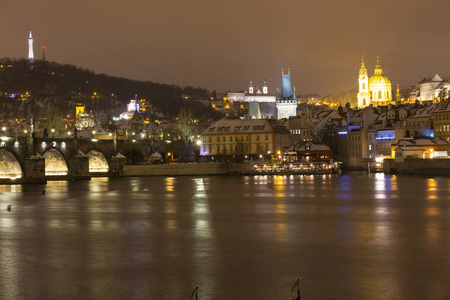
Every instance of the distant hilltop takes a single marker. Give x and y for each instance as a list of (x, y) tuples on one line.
[(65, 84)]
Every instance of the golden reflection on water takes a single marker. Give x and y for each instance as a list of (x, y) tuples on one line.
[(280, 186), (432, 232), (282, 232), (170, 181), (170, 207), (99, 184), (432, 211), (431, 189)]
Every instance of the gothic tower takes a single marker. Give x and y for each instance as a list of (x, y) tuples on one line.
[(286, 102), (363, 95)]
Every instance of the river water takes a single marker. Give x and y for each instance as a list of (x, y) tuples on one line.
[(353, 236)]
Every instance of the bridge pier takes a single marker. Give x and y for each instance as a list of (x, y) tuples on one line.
[(34, 170), (116, 165), (79, 167)]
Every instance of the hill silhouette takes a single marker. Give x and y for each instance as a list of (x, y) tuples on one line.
[(63, 85)]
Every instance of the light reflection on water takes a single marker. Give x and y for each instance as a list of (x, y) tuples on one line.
[(362, 236)]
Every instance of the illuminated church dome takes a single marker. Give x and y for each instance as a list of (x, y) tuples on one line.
[(378, 76), (377, 88)]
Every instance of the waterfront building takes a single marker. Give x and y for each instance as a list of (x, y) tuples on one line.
[(230, 136), (442, 121), (286, 101), (308, 151), (432, 148), (357, 149), (376, 90)]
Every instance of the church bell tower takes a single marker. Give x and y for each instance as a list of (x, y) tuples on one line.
[(363, 95), (250, 87)]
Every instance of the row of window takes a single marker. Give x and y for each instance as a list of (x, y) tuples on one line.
[(298, 131), (418, 123), (231, 148), (440, 117), (236, 128), (236, 138), (443, 128)]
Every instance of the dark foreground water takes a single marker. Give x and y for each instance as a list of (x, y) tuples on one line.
[(349, 237)]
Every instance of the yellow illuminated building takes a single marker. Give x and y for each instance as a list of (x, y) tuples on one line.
[(230, 136), (79, 109), (376, 90)]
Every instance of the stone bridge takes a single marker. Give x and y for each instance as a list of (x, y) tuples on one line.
[(30, 159)]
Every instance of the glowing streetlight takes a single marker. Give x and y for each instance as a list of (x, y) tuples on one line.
[(69, 133), (53, 130), (199, 142), (93, 131)]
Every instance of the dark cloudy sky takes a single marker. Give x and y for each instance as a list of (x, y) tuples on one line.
[(220, 44)]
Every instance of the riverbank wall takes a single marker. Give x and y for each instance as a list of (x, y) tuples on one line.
[(187, 169), (418, 166)]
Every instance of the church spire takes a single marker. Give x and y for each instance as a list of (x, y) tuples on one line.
[(378, 70), (363, 70), (397, 97)]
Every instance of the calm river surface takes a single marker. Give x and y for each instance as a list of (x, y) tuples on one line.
[(354, 236)]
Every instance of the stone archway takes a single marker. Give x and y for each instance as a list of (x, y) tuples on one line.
[(97, 162), (9, 166), (55, 164)]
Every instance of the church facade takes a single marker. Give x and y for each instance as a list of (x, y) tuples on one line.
[(376, 90)]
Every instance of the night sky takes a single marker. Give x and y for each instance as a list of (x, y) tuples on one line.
[(222, 44)]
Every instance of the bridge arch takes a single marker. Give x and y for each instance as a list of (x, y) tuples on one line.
[(9, 165), (55, 163), (97, 162)]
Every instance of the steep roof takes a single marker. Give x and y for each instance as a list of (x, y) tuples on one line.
[(244, 126)]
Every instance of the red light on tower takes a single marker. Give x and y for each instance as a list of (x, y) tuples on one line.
[(43, 52)]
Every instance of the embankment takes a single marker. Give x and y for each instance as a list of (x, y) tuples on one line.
[(187, 169)]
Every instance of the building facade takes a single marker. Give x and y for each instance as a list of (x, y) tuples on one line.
[(230, 136)]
